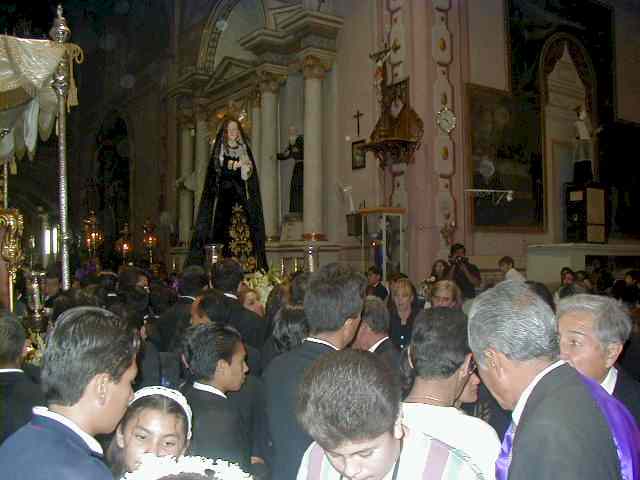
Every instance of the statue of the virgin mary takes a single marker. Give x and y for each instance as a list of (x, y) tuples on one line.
[(230, 210)]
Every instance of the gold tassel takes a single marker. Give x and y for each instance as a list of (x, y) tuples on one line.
[(76, 55)]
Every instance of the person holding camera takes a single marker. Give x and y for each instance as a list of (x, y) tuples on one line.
[(466, 275)]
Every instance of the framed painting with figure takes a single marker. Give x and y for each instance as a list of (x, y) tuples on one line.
[(358, 155), (504, 151)]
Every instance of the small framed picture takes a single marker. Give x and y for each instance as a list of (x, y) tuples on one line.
[(358, 155)]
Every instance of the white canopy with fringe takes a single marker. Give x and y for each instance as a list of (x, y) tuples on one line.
[(28, 103)]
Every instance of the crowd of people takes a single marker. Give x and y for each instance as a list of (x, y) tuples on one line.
[(338, 375)]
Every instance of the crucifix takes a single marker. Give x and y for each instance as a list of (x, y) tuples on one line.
[(357, 117)]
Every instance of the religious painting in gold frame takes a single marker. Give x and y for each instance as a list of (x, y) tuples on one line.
[(358, 155), (504, 152)]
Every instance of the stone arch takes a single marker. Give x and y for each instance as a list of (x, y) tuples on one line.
[(211, 35)]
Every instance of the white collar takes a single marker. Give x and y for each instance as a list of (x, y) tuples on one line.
[(208, 388), (231, 295), (187, 296), (91, 442), (522, 401), (10, 370), (323, 342), (609, 382), (375, 346)]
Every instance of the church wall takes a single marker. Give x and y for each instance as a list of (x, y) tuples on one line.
[(627, 18), (354, 91), (486, 61), (423, 237)]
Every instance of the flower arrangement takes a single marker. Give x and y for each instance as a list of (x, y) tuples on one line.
[(263, 282), (153, 468), (35, 348)]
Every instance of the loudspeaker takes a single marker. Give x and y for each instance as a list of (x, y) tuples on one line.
[(586, 214)]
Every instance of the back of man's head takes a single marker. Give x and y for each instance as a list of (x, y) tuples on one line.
[(193, 279), (439, 342), (346, 396), (85, 342), (299, 284), (376, 315), (515, 321), (128, 277), (12, 338), (227, 275), (335, 294)]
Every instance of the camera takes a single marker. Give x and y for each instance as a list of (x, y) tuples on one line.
[(458, 260)]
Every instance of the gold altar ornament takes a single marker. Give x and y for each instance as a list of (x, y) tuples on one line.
[(149, 239), (93, 236)]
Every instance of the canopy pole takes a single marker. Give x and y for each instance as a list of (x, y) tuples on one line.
[(60, 33)]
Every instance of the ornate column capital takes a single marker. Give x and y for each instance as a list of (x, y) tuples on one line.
[(185, 117), (270, 82), (314, 67)]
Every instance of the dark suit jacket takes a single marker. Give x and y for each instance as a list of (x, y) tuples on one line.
[(627, 390), (380, 291), (18, 395), (45, 449), (249, 402), (249, 324), (172, 323), (563, 434), (218, 428), (390, 354), (281, 379)]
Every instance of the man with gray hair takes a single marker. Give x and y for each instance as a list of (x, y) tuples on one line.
[(563, 425), (593, 330)]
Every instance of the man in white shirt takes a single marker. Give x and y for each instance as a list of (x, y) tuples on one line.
[(593, 330), (441, 364), (88, 368), (561, 424)]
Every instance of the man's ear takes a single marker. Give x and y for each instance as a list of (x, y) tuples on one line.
[(463, 371), (98, 388), (612, 352)]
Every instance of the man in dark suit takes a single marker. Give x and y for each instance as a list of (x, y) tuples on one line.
[(564, 425), (216, 359), (177, 319), (593, 330), (18, 393), (332, 304), (373, 334), (89, 366), (227, 276)]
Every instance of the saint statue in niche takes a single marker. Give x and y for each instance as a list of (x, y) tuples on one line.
[(230, 211), (295, 150)]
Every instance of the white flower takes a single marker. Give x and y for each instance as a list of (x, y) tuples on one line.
[(153, 467)]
